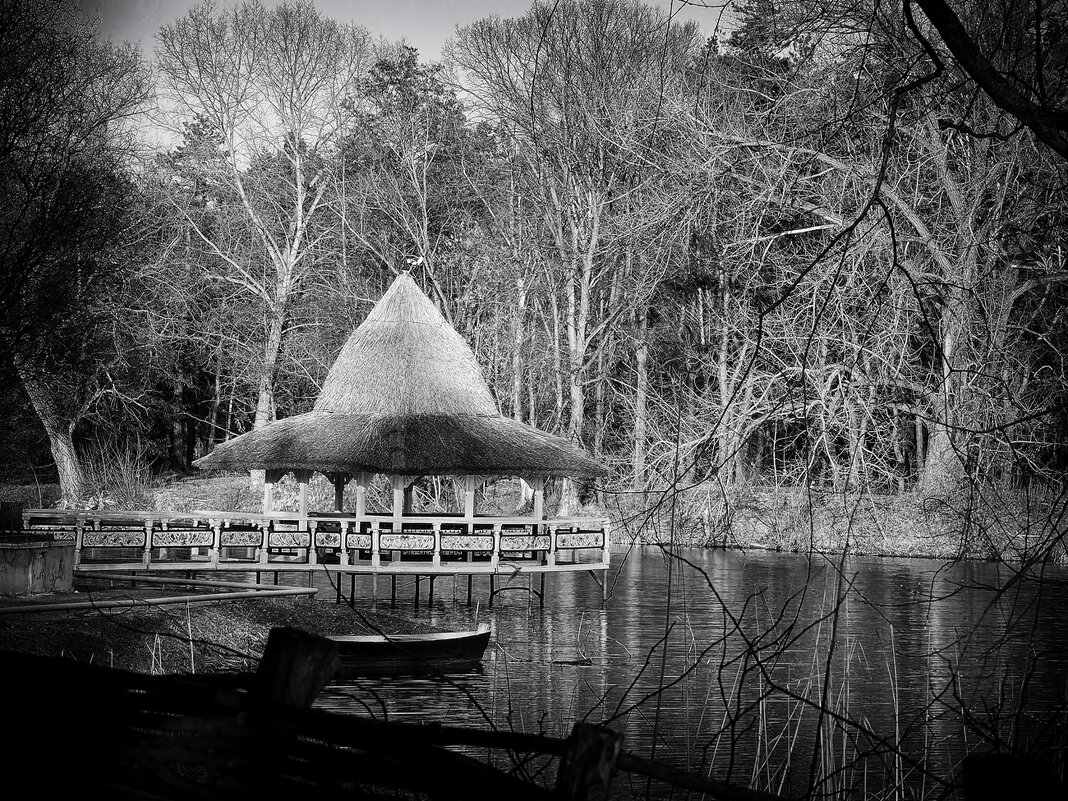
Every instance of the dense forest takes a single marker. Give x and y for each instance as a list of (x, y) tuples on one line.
[(821, 247)]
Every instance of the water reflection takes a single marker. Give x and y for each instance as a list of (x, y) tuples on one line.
[(768, 669)]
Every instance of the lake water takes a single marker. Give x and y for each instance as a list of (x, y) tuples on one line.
[(774, 671)]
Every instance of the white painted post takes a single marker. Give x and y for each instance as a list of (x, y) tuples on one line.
[(147, 556), (362, 482), (398, 504), (469, 499), (303, 507), (376, 558), (265, 540), (606, 550), (216, 541), (539, 500), (495, 558), (436, 559), (79, 527), (539, 515), (268, 507)]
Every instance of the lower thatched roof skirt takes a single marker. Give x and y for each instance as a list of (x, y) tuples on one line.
[(483, 445), (275, 475)]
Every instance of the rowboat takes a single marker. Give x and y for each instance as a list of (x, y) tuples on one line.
[(446, 652)]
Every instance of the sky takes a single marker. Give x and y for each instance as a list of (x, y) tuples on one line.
[(425, 24)]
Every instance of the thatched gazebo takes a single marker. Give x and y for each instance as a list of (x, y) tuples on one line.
[(405, 398)]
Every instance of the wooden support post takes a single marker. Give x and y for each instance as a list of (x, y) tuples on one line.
[(376, 557), (416, 590), (393, 590), (216, 542), (588, 764), (430, 592), (398, 502), (268, 497), (495, 556), (469, 580), (146, 558), (79, 529), (606, 542), (362, 482), (295, 667), (470, 484), (539, 499), (265, 541)]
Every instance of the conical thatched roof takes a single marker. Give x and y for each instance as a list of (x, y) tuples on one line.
[(406, 396)]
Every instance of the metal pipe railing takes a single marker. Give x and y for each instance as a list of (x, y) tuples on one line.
[(125, 603)]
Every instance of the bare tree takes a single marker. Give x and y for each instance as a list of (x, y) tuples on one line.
[(1028, 39), (278, 86), (65, 148), (575, 85)]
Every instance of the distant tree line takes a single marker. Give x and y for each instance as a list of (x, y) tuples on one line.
[(810, 252)]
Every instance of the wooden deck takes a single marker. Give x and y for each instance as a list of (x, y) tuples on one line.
[(283, 542)]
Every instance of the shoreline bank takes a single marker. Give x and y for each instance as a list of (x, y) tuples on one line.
[(210, 635), (1000, 528)]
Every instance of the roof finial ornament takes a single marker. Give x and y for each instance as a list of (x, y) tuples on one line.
[(412, 261)]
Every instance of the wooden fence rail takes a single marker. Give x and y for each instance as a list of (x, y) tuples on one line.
[(91, 730)]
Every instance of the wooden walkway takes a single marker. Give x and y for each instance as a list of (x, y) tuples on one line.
[(432, 546)]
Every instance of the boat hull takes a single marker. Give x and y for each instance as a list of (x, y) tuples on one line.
[(439, 652)]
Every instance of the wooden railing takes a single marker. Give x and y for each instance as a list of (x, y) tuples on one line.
[(283, 540)]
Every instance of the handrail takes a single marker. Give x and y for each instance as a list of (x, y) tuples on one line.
[(374, 539), (126, 603), (206, 514)]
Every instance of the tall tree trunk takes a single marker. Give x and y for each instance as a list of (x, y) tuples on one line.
[(558, 370), (943, 468), (265, 396), (599, 403), (213, 412), (517, 352), (899, 453), (60, 431), (641, 391), (859, 422), (532, 405)]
